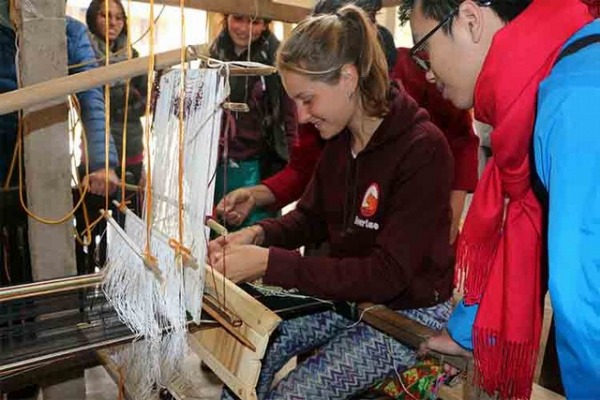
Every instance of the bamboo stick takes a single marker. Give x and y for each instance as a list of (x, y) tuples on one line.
[(49, 287), (46, 91)]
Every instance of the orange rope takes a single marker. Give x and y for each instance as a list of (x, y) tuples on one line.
[(106, 104), (181, 123), (86, 218), (30, 213), (147, 134), (125, 117)]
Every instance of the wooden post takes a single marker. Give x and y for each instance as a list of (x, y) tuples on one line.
[(43, 56), (215, 25)]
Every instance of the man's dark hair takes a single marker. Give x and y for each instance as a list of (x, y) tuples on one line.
[(507, 10)]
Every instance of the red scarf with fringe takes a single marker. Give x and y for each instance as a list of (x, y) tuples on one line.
[(499, 250)]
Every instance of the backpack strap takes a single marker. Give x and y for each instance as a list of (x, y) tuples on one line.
[(577, 45)]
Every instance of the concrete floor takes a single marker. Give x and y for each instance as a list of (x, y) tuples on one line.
[(100, 386)]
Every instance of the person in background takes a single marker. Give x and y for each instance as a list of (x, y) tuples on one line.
[(80, 54), (531, 69), (260, 145), (135, 106), (288, 185), (379, 197)]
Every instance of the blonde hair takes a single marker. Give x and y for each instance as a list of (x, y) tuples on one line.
[(321, 45)]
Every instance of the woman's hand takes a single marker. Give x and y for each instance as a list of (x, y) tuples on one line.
[(241, 263), (251, 235)]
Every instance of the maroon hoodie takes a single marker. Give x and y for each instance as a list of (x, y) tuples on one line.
[(384, 213)]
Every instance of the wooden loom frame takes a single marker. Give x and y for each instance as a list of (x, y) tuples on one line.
[(235, 357)]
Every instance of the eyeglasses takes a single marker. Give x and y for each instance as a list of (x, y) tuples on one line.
[(417, 53)]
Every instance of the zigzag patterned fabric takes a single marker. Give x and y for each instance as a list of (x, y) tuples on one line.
[(351, 357)]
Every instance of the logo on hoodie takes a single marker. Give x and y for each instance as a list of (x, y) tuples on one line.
[(370, 201)]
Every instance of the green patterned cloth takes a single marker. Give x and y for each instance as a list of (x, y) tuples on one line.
[(422, 381)]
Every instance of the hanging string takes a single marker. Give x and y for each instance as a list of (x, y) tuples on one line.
[(106, 105), (230, 132), (126, 113), (147, 135), (76, 109), (19, 146), (181, 160), (31, 214)]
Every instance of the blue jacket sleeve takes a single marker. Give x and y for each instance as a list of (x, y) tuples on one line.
[(567, 155), (80, 51)]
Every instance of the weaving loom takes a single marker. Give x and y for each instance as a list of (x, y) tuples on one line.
[(248, 324), (37, 331), (49, 321)]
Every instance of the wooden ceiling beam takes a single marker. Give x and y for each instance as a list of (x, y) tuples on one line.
[(278, 10), (309, 4), (261, 8)]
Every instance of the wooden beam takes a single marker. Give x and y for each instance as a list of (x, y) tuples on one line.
[(260, 8), (60, 87), (215, 25), (47, 156), (309, 4)]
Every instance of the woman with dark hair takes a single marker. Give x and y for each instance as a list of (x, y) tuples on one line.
[(261, 143), (136, 104), (379, 197)]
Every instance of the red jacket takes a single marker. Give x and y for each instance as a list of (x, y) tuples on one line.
[(457, 126), (385, 215)]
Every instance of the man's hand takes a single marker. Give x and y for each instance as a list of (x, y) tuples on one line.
[(235, 207), (97, 181)]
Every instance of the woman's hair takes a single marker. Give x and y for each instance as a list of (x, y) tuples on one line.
[(371, 7), (96, 7), (321, 45)]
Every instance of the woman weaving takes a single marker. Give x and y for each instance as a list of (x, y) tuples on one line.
[(379, 197)]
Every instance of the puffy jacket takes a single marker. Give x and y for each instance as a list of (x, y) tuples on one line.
[(79, 50)]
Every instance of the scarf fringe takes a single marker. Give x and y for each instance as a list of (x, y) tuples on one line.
[(473, 266), (514, 379)]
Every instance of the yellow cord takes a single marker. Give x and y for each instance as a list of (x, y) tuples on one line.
[(19, 148), (147, 134), (31, 214), (126, 114), (88, 226), (181, 122), (106, 104)]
